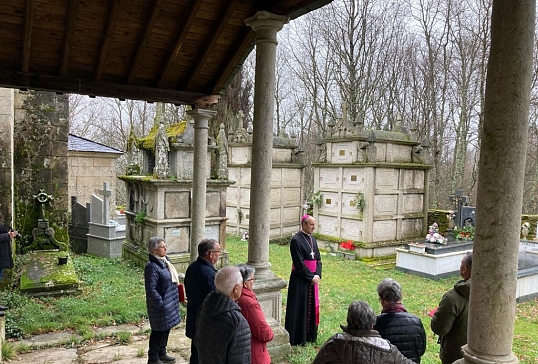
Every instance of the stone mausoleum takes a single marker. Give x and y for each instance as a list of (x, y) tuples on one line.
[(372, 187), (159, 195), (286, 186)]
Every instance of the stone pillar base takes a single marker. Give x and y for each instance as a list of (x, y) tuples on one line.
[(280, 346), (472, 357)]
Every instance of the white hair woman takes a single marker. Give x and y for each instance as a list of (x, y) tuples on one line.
[(162, 300), (261, 332)]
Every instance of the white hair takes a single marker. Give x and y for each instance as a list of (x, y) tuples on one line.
[(226, 279)]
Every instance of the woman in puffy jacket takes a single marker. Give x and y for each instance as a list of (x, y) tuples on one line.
[(261, 332), (162, 300), (398, 326), (359, 343)]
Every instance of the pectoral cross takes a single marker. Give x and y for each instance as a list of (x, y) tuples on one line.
[(312, 254)]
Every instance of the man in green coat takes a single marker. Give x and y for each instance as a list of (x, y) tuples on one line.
[(450, 319)]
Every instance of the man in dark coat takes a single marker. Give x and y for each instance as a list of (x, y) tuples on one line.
[(162, 300), (359, 343), (222, 332), (199, 282), (302, 307), (402, 329), (450, 319)]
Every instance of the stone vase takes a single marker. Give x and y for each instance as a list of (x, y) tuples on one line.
[(524, 233)]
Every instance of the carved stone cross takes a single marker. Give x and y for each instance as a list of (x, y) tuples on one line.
[(458, 200), (106, 193)]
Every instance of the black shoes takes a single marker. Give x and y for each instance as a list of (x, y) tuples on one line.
[(167, 359), (3, 308), (155, 362)]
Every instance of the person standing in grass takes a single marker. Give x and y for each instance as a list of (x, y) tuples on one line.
[(162, 300), (199, 282), (395, 324), (222, 332), (359, 343), (450, 319), (261, 332), (302, 307)]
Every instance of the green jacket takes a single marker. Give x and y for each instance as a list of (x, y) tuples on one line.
[(450, 321)]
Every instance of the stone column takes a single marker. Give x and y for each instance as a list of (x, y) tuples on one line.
[(268, 286), (500, 184), (199, 179), (266, 26), (6, 157)]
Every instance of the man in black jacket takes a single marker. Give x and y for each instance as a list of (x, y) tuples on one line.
[(199, 282), (222, 332), (395, 324)]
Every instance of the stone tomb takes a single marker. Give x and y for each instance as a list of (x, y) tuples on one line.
[(286, 189), (373, 185), (42, 276), (105, 236), (440, 261)]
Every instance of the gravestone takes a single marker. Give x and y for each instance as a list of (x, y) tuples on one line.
[(79, 227), (458, 201), (105, 236)]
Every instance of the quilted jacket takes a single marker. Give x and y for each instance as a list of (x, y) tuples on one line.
[(450, 321), (162, 299), (405, 331), (222, 333), (364, 347)]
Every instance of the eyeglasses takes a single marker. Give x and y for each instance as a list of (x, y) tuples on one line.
[(215, 251), (251, 279)]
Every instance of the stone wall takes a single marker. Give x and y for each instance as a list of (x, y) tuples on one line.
[(88, 171), (6, 152), (40, 137)]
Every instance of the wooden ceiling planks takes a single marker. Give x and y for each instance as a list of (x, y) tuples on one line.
[(158, 50)]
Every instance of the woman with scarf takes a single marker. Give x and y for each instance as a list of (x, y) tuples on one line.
[(162, 300), (395, 324)]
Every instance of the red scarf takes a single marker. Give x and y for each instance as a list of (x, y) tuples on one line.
[(394, 307)]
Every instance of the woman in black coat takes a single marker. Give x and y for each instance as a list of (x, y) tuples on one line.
[(162, 300)]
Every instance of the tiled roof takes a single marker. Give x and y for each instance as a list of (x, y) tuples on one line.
[(78, 144)]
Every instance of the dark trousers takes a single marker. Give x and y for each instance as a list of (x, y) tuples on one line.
[(194, 353), (157, 344)]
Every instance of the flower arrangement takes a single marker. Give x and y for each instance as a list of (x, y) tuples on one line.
[(434, 236), (316, 198), (347, 245), (465, 233), (526, 225), (451, 215), (358, 201)]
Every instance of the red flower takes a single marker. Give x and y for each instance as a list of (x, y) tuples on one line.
[(347, 245)]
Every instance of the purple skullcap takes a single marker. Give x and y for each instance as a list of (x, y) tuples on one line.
[(304, 218)]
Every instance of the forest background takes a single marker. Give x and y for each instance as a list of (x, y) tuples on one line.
[(419, 61)]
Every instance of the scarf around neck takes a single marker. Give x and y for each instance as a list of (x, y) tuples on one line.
[(171, 268), (394, 307)]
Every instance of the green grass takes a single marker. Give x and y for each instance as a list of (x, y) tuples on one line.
[(113, 293), (344, 281)]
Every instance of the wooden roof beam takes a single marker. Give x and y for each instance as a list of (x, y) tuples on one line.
[(145, 39), (200, 62), (27, 36), (69, 33), (182, 35), (107, 39)]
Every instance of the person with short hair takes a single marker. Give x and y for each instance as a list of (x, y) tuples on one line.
[(199, 282), (162, 300), (302, 306), (450, 319), (395, 324), (222, 332), (359, 343), (261, 332)]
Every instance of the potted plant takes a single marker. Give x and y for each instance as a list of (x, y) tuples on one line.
[(63, 252)]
